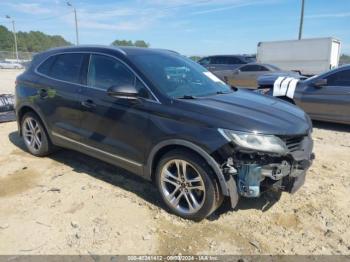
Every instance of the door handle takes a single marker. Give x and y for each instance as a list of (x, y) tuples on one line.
[(88, 104), (43, 93)]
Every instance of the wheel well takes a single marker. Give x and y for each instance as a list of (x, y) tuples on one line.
[(22, 112), (161, 152)]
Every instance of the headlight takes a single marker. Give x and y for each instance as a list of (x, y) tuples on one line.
[(264, 143)]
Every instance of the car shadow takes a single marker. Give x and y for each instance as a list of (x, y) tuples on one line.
[(331, 126), (98, 169), (135, 184)]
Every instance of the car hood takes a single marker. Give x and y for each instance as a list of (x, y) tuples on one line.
[(250, 112)]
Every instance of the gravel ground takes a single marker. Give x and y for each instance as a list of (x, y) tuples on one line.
[(7, 80), (69, 203)]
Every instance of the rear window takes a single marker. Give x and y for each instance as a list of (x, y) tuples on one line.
[(65, 67), (44, 68)]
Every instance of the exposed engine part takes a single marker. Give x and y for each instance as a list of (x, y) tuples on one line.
[(249, 179), (251, 175), (228, 167), (276, 171)]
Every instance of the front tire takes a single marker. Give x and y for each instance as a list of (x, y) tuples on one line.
[(187, 185), (35, 136)]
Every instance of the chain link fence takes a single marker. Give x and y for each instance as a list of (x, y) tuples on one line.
[(10, 55)]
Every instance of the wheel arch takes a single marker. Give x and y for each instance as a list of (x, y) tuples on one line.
[(165, 146), (25, 109)]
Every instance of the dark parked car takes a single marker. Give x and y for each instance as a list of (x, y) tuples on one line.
[(225, 62), (247, 75), (166, 118), (325, 97)]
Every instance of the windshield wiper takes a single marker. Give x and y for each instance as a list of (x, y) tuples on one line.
[(186, 97)]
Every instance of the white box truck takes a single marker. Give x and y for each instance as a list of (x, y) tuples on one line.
[(307, 56)]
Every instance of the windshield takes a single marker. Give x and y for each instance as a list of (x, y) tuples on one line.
[(179, 77)]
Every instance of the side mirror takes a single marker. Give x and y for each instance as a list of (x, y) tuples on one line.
[(319, 83), (124, 92)]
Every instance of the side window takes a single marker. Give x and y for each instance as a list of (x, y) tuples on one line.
[(66, 67), (218, 60), (233, 60), (339, 79), (250, 68), (204, 61), (45, 67), (105, 72), (143, 92), (263, 68)]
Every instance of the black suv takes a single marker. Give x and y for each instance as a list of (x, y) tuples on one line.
[(225, 62), (166, 118)]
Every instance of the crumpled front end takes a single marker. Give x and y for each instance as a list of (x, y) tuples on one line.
[(255, 172)]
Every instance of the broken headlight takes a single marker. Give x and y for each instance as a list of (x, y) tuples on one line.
[(253, 141)]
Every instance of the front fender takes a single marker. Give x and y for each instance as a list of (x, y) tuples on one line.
[(179, 142)]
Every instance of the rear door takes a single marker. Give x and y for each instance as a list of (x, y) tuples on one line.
[(59, 93), (330, 102), (115, 127)]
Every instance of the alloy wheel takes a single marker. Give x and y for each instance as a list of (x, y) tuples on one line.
[(32, 134), (182, 186)]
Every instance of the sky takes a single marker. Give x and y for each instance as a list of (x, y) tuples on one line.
[(191, 27)]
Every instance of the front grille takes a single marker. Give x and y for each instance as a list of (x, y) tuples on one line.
[(293, 143)]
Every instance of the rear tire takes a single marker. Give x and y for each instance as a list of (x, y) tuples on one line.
[(35, 136), (187, 185)]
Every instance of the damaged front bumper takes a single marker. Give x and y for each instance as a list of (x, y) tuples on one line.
[(249, 174)]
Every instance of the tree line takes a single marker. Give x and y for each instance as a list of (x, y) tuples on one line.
[(36, 41), (33, 41)]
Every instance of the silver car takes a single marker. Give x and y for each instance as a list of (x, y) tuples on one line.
[(246, 75), (10, 65)]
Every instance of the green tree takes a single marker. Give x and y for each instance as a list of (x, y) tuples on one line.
[(34, 41), (195, 58), (344, 59), (141, 43), (122, 43)]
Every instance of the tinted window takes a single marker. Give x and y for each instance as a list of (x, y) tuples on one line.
[(143, 91), (339, 79), (250, 59), (217, 60), (204, 61), (233, 60), (226, 60), (45, 67), (105, 72), (252, 68), (66, 67)]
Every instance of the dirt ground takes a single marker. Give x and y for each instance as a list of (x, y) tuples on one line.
[(7, 80), (69, 203)]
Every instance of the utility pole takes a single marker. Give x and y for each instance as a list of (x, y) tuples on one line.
[(301, 19), (76, 22), (14, 35)]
